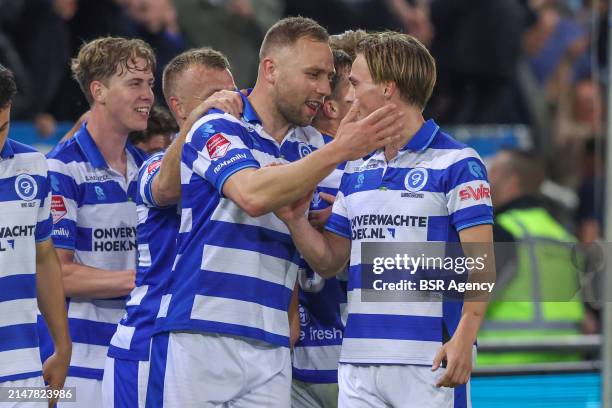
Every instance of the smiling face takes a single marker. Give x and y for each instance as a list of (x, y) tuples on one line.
[(369, 94), (127, 96), (304, 70)]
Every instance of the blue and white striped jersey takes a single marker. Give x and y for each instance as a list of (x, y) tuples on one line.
[(94, 214), (156, 235), (234, 273), (416, 197), (322, 309), (25, 219)]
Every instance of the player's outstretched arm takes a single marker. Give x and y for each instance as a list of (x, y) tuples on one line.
[(89, 282), (458, 350), (259, 191), (166, 186), (326, 253), (52, 305)]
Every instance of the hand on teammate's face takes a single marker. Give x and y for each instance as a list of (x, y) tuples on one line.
[(360, 137)]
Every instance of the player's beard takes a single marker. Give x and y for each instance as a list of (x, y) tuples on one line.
[(290, 109)]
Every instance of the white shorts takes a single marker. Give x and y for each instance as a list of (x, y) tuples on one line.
[(88, 393), (29, 383), (398, 386), (313, 395), (212, 370), (125, 383)]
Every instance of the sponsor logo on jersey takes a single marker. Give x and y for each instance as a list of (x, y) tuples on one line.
[(468, 193)]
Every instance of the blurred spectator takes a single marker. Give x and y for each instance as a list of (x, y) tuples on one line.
[(476, 44), (161, 128), (590, 212), (156, 23), (234, 27), (45, 52), (532, 300)]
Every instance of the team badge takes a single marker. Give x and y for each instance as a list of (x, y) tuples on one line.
[(416, 179), (26, 187), (304, 149), (304, 316), (217, 146), (58, 208)]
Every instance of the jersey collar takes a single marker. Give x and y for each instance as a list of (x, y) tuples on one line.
[(423, 137), (89, 148), (7, 150), (248, 112)]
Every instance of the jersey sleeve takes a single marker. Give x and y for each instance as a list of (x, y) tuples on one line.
[(338, 222), (148, 171), (44, 223), (468, 193), (216, 150), (64, 204)]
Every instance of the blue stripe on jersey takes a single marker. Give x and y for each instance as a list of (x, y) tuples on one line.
[(339, 225), (316, 376), (17, 287), (18, 336), (91, 332), (21, 376), (377, 326), (157, 371)]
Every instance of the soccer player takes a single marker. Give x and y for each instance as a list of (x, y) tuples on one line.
[(188, 79), (160, 131), (93, 180), (224, 319), (322, 302), (392, 352), (30, 273)]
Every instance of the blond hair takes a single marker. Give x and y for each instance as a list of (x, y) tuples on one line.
[(347, 41), (402, 59), (98, 60)]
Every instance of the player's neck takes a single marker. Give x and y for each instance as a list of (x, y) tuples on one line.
[(327, 127), (412, 121), (272, 121), (108, 136)]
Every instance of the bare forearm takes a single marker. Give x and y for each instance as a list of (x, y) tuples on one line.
[(51, 299), (315, 248), (167, 183), (86, 281), (270, 188)]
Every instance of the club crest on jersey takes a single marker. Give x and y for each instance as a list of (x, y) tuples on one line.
[(304, 149), (100, 193), (26, 187), (416, 179), (217, 146), (58, 208)]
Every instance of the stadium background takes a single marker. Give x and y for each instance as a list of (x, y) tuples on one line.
[(530, 74)]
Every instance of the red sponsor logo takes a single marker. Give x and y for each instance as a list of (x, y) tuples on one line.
[(469, 193), (217, 146), (58, 208), (153, 166)]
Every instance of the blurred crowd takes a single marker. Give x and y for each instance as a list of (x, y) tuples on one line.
[(542, 63)]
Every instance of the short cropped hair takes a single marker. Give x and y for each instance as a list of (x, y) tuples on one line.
[(8, 87), (206, 57), (402, 59), (342, 66), (288, 31), (347, 41), (98, 60), (160, 122)]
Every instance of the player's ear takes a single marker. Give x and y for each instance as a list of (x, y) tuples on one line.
[(269, 70), (175, 105), (389, 88), (330, 109), (98, 92)]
